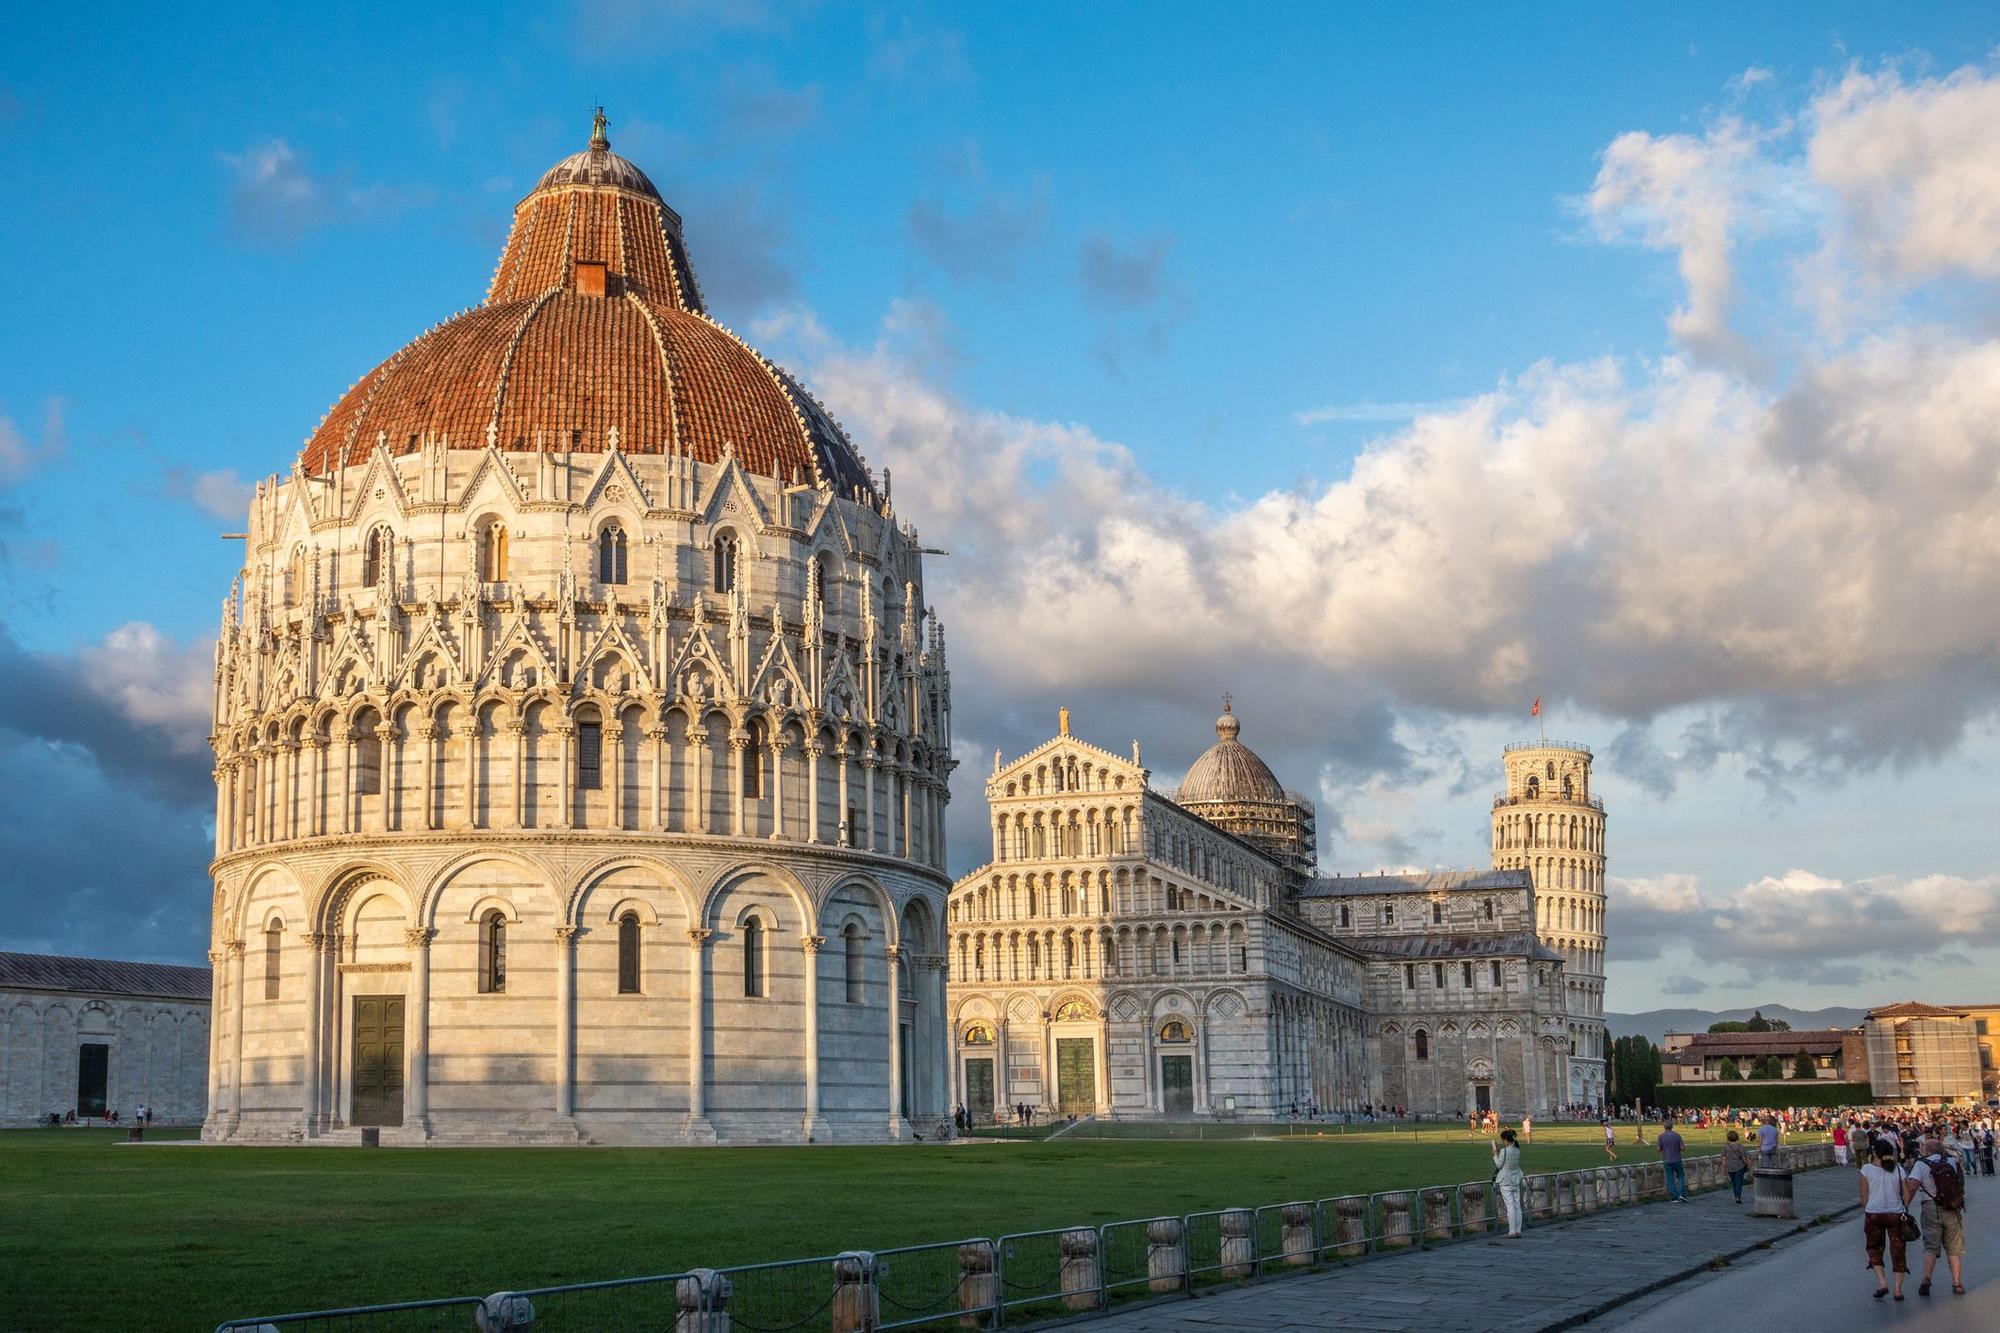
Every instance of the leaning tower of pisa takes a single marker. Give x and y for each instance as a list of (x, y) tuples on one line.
[(1548, 823)]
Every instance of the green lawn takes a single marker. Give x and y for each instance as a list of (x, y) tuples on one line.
[(94, 1235)]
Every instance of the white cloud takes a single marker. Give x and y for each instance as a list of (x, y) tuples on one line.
[(18, 456), (154, 682), (275, 197), (219, 493), (1805, 926), (1368, 410)]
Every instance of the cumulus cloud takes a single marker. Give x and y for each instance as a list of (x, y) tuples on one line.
[(1370, 411), (18, 455), (219, 493), (1127, 286), (1806, 927), (275, 198), (135, 705)]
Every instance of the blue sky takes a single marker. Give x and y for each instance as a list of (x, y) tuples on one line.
[(1192, 261)]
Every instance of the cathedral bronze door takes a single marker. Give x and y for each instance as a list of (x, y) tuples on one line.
[(1482, 1097), (378, 1060), (1076, 1075), (1177, 1084), (979, 1089)]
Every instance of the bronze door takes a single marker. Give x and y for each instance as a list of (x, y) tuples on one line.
[(1076, 1075), (378, 1060)]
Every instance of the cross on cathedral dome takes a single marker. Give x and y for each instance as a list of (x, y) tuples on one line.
[(593, 335)]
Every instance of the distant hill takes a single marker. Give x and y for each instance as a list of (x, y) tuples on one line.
[(1657, 1023)]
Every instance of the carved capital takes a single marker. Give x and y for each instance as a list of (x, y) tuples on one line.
[(312, 939), (215, 957), (699, 935), (567, 933), (420, 938), (815, 749), (893, 952), (236, 948), (656, 732), (811, 943)]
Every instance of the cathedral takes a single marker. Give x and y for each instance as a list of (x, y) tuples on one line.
[(582, 736), (1127, 954)]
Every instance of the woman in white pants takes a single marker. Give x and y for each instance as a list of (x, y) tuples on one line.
[(1507, 1177)]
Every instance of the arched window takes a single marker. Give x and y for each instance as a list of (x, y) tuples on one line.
[(823, 579), (493, 552), (753, 762), (1534, 787), (611, 554), (1437, 913), (753, 958), (1346, 917), (274, 934), (1569, 788), (1552, 770), (1423, 1044), (493, 953), (295, 577), (850, 941), (374, 556), (1176, 1030), (725, 561), (368, 761), (628, 954), (589, 753)]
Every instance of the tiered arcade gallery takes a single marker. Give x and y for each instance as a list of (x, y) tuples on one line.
[(582, 736)]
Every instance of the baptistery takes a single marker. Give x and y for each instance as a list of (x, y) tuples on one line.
[(582, 735)]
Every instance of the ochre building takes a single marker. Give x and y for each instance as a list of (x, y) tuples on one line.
[(1127, 954), (581, 735)]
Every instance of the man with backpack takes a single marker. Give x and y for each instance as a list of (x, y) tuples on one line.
[(1936, 1178)]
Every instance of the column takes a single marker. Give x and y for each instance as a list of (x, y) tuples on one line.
[(698, 767), (868, 765), (697, 1116), (566, 792), (288, 814), (217, 1003), (314, 942), (778, 748), (1103, 1060), (611, 771), (427, 733), (657, 734), (739, 749), (519, 731), (903, 789), (236, 1015), (841, 754), (343, 773), (812, 790), (813, 1125), (898, 1127), (418, 1014), (565, 1020), (1201, 1096)]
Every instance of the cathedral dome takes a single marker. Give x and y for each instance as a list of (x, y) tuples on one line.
[(1228, 770), (593, 335)]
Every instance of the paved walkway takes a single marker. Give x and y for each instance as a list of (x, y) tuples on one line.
[(1559, 1275), (1817, 1281)]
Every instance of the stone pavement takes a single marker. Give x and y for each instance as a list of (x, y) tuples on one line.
[(1817, 1281), (1558, 1275)]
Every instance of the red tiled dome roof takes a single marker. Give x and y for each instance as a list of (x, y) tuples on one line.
[(593, 322)]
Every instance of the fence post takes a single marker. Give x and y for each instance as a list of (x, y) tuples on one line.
[(978, 1285), (703, 1296), (1396, 1220), (854, 1304), (1239, 1242), (1437, 1214), (1350, 1225), (1472, 1208), (1166, 1254), (1539, 1207), (504, 1312), (1301, 1246), (1082, 1272)]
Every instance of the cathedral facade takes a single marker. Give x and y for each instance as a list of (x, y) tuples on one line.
[(1124, 954), (582, 736)]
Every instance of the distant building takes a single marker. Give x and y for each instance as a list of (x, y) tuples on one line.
[(1922, 1053), (1986, 1027), (1836, 1054), (1129, 955), (92, 1035)]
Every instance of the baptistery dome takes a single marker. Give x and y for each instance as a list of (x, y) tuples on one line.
[(577, 688), (593, 334)]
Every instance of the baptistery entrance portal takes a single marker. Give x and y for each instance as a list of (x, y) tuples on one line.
[(378, 1060)]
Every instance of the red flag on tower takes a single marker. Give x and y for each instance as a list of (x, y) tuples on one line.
[(1536, 711)]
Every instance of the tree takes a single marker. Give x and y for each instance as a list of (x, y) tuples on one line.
[(1767, 1067), (1729, 1071), (1802, 1066), (1729, 1025)]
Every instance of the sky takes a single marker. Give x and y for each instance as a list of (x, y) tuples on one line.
[(1387, 367)]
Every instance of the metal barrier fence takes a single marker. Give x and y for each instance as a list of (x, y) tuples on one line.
[(1029, 1275)]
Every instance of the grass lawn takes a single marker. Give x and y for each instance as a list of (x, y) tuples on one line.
[(94, 1235)]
